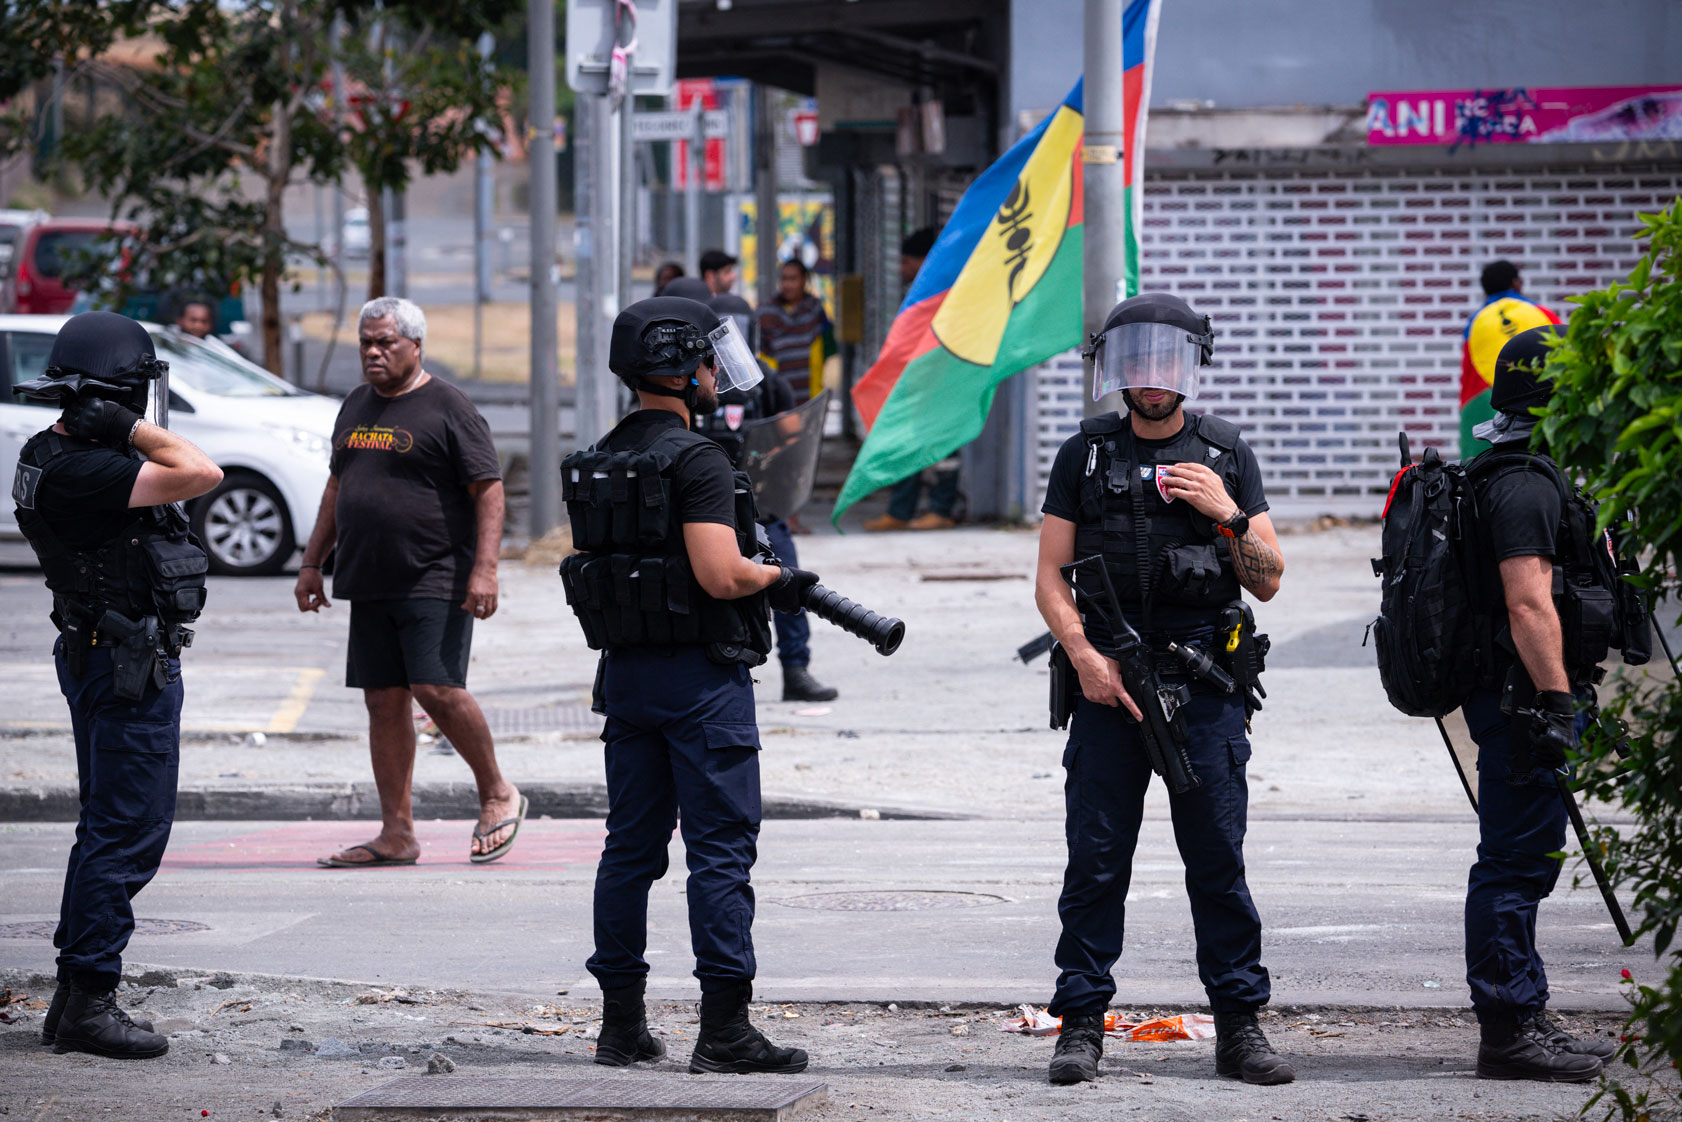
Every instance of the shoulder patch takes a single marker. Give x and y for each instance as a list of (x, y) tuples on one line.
[(24, 485)]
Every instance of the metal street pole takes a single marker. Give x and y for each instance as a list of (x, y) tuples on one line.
[(545, 389), (626, 105), (765, 194), (695, 172), (481, 236), (590, 264), (1104, 253)]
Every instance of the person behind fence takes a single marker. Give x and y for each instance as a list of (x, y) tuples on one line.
[(412, 515), (737, 409), (667, 587), (1172, 503), (95, 496), (1524, 720)]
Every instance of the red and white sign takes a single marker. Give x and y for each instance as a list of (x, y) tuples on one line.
[(688, 90), (805, 126)]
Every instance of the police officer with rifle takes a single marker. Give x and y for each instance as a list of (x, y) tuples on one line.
[(1154, 525), (98, 497), (671, 585)]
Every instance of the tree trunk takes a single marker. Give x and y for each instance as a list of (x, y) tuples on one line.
[(376, 240), (279, 170)]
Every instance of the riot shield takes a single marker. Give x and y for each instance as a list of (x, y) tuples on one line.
[(780, 455)]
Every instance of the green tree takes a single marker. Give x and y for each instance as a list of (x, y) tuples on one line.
[(1615, 419)]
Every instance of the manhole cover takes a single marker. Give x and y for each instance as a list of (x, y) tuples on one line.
[(890, 901), (44, 928), (542, 718)]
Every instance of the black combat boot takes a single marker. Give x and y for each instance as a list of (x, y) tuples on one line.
[(1524, 1051), (729, 1043), (49, 1027), (92, 1021), (1602, 1050), (625, 1038), (1242, 1051), (799, 685), (1079, 1046)]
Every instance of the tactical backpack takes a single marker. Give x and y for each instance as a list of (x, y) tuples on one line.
[(1435, 633)]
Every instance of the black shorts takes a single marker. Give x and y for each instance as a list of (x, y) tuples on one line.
[(401, 643)]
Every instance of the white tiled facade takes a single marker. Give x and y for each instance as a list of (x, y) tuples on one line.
[(1339, 298)]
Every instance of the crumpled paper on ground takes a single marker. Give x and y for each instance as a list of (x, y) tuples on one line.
[(1186, 1026)]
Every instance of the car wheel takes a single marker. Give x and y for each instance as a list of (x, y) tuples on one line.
[(244, 526)]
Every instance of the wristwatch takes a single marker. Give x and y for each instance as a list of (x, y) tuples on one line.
[(1235, 527)]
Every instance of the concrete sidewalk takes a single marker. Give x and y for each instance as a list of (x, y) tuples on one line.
[(951, 724)]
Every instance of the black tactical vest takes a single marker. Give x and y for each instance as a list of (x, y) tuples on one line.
[(150, 565), (631, 584), (1172, 571)]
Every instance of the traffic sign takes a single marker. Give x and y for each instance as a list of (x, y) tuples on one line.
[(591, 35), (677, 125)]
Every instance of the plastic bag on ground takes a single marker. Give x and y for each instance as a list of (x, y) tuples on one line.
[(1185, 1026)]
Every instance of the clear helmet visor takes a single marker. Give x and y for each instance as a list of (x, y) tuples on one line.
[(737, 369), (1141, 356)]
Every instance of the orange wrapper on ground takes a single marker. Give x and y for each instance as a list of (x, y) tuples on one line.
[(1186, 1026)]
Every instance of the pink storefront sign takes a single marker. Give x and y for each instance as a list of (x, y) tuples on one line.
[(1525, 115)]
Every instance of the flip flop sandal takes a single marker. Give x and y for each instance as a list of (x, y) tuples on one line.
[(508, 842), (337, 862)]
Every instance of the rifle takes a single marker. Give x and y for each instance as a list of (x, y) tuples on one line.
[(1164, 739)]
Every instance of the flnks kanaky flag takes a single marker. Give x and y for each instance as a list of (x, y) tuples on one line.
[(1001, 290)]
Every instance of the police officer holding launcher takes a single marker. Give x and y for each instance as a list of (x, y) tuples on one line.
[(737, 409), (1524, 721), (1173, 503), (95, 498), (666, 585)]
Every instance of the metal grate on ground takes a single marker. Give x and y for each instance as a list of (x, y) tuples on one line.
[(1339, 299), (732, 1098)]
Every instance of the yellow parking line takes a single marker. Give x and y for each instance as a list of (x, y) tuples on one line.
[(291, 710)]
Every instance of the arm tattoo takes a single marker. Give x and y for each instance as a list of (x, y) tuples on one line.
[(1255, 561)]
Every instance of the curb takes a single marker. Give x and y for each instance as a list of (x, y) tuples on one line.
[(361, 801)]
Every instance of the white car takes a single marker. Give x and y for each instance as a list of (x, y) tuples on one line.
[(271, 440)]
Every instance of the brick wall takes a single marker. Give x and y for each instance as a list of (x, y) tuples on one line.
[(1339, 299)]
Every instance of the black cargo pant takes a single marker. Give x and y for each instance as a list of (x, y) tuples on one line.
[(1104, 793)]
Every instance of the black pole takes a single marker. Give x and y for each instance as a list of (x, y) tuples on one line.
[(1454, 758), (1577, 824)]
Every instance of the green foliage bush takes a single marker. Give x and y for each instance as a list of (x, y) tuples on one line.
[(1615, 420)]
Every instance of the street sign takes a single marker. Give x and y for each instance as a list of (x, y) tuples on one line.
[(675, 125), (591, 36)]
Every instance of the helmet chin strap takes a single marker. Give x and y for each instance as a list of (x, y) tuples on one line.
[(689, 394)]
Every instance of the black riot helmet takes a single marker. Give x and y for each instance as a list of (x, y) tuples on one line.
[(1151, 341), (738, 309), (1518, 385), (98, 354), (669, 336)]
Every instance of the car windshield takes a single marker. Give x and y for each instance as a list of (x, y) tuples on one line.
[(211, 370), (59, 249)]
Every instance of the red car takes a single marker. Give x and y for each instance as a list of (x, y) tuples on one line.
[(42, 255)]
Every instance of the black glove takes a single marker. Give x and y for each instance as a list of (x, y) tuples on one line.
[(1553, 728), (788, 592), (104, 422)]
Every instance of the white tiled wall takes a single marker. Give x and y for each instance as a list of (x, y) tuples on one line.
[(1339, 299)]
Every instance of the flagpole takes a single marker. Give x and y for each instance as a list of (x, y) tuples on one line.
[(1104, 251)]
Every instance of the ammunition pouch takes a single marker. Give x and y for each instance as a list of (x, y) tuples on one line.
[(178, 568), (1192, 573)]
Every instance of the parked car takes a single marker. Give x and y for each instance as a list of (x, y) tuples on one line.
[(12, 225), (44, 252), (271, 440)]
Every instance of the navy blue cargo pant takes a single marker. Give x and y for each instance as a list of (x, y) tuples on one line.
[(680, 736), (127, 757), (1104, 792), (1521, 823), (794, 630)]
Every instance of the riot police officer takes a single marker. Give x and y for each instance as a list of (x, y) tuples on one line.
[(126, 575), (1173, 503), (1524, 719), (737, 409), (666, 585)]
